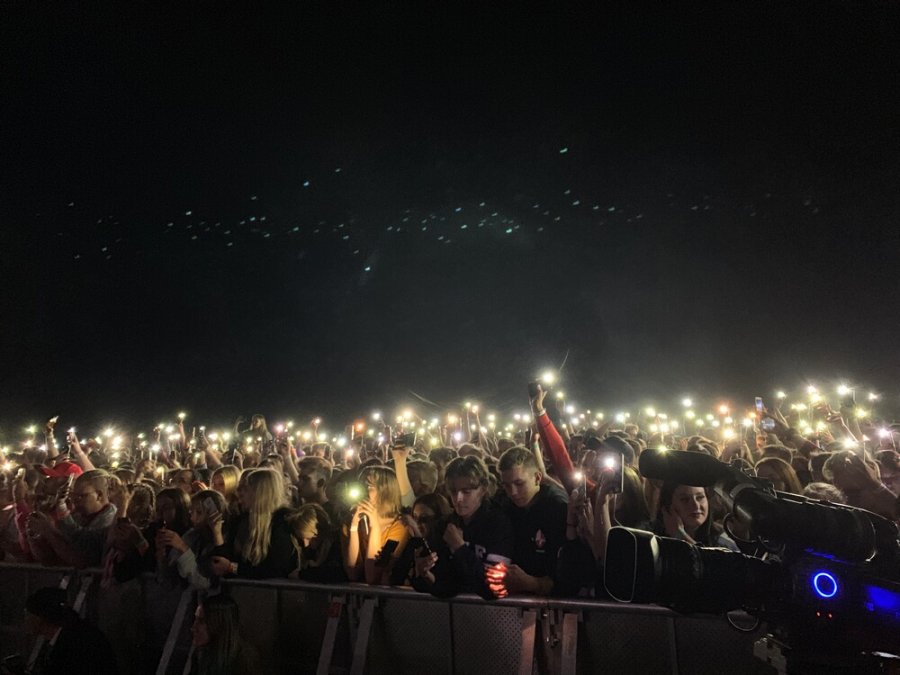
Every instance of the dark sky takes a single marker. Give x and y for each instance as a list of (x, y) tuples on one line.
[(318, 210)]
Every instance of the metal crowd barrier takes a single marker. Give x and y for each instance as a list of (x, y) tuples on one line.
[(352, 628)]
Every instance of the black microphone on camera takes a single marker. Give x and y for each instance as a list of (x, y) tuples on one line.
[(687, 468)]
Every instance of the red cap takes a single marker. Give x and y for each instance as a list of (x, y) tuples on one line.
[(61, 469)]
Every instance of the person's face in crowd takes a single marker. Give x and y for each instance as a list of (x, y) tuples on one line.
[(309, 536), (891, 480), (198, 514), (199, 631), (466, 495), (86, 499), (690, 504), (425, 518), (307, 486), (218, 484), (419, 488), (521, 484), (764, 471), (182, 480), (165, 510)]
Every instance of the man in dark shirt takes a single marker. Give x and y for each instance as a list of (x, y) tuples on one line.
[(537, 510), (72, 644)]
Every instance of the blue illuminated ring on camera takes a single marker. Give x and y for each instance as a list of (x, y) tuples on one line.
[(825, 585)]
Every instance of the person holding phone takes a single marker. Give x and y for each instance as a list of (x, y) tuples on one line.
[(369, 554), (477, 539), (190, 554), (537, 511)]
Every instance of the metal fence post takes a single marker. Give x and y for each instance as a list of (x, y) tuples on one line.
[(366, 615), (529, 628), (335, 610)]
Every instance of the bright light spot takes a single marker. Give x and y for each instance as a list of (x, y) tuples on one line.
[(781, 395), (650, 412), (549, 377), (723, 409), (843, 390), (686, 402)]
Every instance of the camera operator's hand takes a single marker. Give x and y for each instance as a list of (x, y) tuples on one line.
[(424, 565)]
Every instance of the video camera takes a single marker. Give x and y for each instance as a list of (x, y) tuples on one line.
[(828, 584)]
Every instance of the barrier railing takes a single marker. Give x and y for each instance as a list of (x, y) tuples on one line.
[(353, 628)]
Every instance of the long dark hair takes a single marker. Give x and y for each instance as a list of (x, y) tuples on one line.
[(223, 652), (707, 534)]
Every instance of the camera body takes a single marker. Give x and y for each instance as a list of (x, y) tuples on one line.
[(832, 589)]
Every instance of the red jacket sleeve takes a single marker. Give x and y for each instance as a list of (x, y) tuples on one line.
[(555, 448)]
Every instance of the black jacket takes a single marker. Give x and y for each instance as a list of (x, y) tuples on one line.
[(80, 647), (488, 537), (281, 559), (539, 530)]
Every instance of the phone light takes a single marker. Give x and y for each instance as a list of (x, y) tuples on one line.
[(609, 463), (650, 412), (560, 395), (873, 396), (354, 493), (578, 476), (723, 409), (780, 395), (825, 585), (620, 418), (457, 436), (843, 390), (570, 409), (884, 433), (686, 402)]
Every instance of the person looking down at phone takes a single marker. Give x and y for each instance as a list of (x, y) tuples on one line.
[(376, 536), (259, 544), (684, 514), (537, 512), (477, 540), (318, 546)]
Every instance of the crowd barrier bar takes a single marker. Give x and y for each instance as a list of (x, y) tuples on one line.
[(577, 634)]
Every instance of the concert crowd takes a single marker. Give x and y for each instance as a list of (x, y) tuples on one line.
[(456, 504)]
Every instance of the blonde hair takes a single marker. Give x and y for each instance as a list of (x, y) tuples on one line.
[(268, 496), (97, 479), (387, 487), (230, 476)]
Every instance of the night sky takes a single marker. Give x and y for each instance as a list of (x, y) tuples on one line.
[(321, 210)]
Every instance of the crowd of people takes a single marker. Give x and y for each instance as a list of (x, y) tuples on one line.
[(496, 512)]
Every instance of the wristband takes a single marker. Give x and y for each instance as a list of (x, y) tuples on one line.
[(354, 529), (538, 413)]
